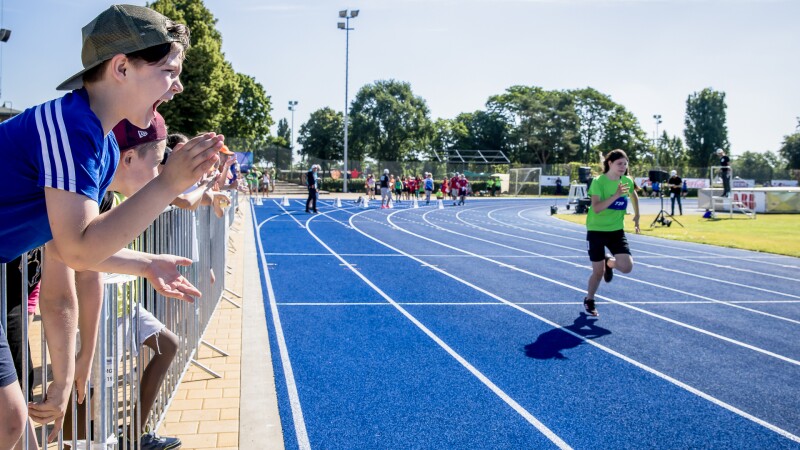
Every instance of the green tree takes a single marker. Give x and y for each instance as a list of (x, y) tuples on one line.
[(284, 134), (706, 130), (251, 118), (211, 87), (790, 150), (484, 131), (755, 166), (446, 134), (622, 131), (594, 110), (322, 137), (670, 152), (389, 123), (543, 124)]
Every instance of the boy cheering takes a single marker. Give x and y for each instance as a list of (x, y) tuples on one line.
[(65, 158)]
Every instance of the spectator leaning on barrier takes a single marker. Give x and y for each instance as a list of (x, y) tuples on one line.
[(200, 193), (141, 153), (64, 159)]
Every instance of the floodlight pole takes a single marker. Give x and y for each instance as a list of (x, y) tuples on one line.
[(657, 118), (292, 107), (346, 15), (5, 35)]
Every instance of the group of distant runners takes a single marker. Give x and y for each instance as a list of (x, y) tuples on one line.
[(398, 188)]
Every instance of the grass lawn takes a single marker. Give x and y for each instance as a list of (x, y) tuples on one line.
[(771, 233)]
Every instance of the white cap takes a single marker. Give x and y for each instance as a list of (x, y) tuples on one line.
[(673, 172), (385, 170), (719, 151)]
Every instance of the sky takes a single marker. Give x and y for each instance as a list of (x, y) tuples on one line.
[(648, 55)]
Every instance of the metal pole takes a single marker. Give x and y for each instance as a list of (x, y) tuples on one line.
[(291, 144), (346, 75)]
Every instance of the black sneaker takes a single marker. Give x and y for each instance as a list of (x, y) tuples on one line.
[(608, 275), (588, 305), (152, 441)]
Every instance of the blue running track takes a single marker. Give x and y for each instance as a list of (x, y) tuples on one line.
[(463, 327)]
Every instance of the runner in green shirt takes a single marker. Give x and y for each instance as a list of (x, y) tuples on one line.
[(610, 194)]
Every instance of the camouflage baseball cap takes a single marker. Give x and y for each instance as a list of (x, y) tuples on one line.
[(119, 29)]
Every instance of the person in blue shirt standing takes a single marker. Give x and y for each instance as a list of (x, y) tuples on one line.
[(428, 187), (64, 157)]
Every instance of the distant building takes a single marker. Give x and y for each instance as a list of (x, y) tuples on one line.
[(7, 113)]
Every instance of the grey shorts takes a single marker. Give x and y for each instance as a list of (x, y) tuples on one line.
[(148, 326)]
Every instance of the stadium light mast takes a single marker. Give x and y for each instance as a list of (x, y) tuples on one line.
[(346, 15), (292, 107), (657, 118), (5, 34)]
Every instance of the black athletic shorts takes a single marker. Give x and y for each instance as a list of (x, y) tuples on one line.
[(8, 374), (598, 241)]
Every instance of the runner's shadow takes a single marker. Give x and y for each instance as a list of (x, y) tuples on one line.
[(550, 344)]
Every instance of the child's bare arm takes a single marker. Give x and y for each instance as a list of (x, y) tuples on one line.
[(89, 286), (85, 238), (59, 309)]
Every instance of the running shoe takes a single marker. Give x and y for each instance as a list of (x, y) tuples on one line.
[(608, 275), (588, 305)]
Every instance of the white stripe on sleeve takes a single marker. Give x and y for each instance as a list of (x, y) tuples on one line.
[(54, 147), (71, 176), (48, 177)]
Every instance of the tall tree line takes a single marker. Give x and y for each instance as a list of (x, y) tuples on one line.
[(215, 96)]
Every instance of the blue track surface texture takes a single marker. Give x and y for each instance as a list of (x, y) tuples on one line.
[(463, 327)]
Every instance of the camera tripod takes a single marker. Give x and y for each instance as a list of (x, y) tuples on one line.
[(661, 217)]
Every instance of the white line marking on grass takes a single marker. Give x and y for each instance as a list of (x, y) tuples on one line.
[(627, 359), (643, 311), (291, 386), (472, 369)]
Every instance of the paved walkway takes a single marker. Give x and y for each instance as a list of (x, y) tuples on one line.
[(239, 410)]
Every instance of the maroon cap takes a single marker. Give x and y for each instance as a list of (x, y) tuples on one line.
[(129, 135)]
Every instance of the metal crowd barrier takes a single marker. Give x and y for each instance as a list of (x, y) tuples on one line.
[(110, 419)]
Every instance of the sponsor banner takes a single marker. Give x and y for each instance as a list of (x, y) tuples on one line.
[(740, 183), (755, 201), (777, 183), (691, 183), (550, 180)]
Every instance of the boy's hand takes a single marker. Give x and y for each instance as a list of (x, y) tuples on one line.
[(188, 162), (162, 273), (83, 365), (52, 408)]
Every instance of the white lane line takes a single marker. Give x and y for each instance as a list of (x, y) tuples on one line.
[(683, 245), (472, 369), (570, 304), (627, 359), (568, 286), (636, 280), (646, 240), (291, 386), (432, 255)]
